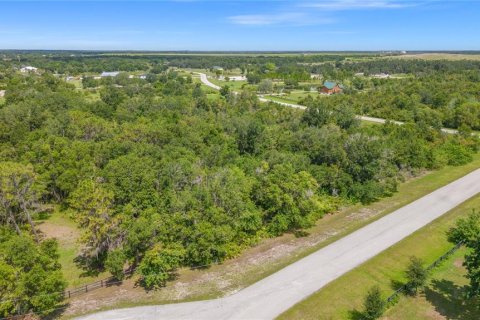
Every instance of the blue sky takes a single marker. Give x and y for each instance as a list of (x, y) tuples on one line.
[(241, 25)]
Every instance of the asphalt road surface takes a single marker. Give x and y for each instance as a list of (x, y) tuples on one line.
[(275, 294)]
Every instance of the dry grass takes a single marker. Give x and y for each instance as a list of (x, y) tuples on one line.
[(440, 56)]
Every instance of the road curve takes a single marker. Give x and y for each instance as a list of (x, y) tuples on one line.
[(205, 81), (275, 294)]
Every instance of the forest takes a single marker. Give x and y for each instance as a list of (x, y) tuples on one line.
[(157, 176)]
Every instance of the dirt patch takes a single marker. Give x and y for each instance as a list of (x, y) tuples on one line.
[(458, 263), (433, 315), (63, 233)]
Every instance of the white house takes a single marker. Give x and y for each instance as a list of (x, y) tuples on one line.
[(27, 69), (381, 75), (2, 93), (233, 78), (109, 74)]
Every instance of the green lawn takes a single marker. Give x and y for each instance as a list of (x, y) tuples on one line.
[(442, 299), (58, 225), (341, 297), (234, 85)]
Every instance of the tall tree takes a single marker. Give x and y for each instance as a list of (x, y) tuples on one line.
[(18, 197), (467, 231), (94, 214)]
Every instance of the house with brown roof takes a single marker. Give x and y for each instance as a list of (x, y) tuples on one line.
[(330, 87)]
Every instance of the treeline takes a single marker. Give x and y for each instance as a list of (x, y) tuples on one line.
[(411, 66), (158, 176), (441, 99)]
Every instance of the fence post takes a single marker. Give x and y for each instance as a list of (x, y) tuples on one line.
[(86, 288), (101, 283)]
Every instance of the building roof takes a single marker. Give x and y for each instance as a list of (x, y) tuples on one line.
[(110, 74), (329, 84)]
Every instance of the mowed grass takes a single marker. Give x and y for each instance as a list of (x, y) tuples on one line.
[(442, 298), (294, 97), (61, 227), (341, 297), (234, 85)]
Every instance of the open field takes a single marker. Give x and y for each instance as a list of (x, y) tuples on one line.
[(294, 97), (60, 226), (269, 256), (440, 56), (339, 299), (234, 85)]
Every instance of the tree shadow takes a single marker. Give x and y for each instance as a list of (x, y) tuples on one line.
[(448, 300), (355, 315), (301, 233), (90, 268), (57, 313), (395, 284)]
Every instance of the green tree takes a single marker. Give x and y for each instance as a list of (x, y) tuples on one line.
[(265, 86), (30, 275), (158, 265), (225, 90), (94, 214), (289, 200), (115, 262), (417, 275), (18, 197), (373, 304), (467, 231)]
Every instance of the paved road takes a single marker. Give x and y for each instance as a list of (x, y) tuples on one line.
[(275, 294), (205, 81)]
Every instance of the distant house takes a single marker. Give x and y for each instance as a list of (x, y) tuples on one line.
[(27, 69), (330, 88), (2, 93), (143, 76), (381, 75), (232, 78), (109, 74)]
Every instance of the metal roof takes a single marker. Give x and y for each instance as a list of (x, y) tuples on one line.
[(329, 84), (110, 74)]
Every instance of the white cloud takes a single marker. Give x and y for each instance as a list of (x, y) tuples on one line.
[(335, 5), (298, 18)]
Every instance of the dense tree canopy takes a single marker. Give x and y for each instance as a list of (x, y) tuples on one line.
[(157, 175)]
